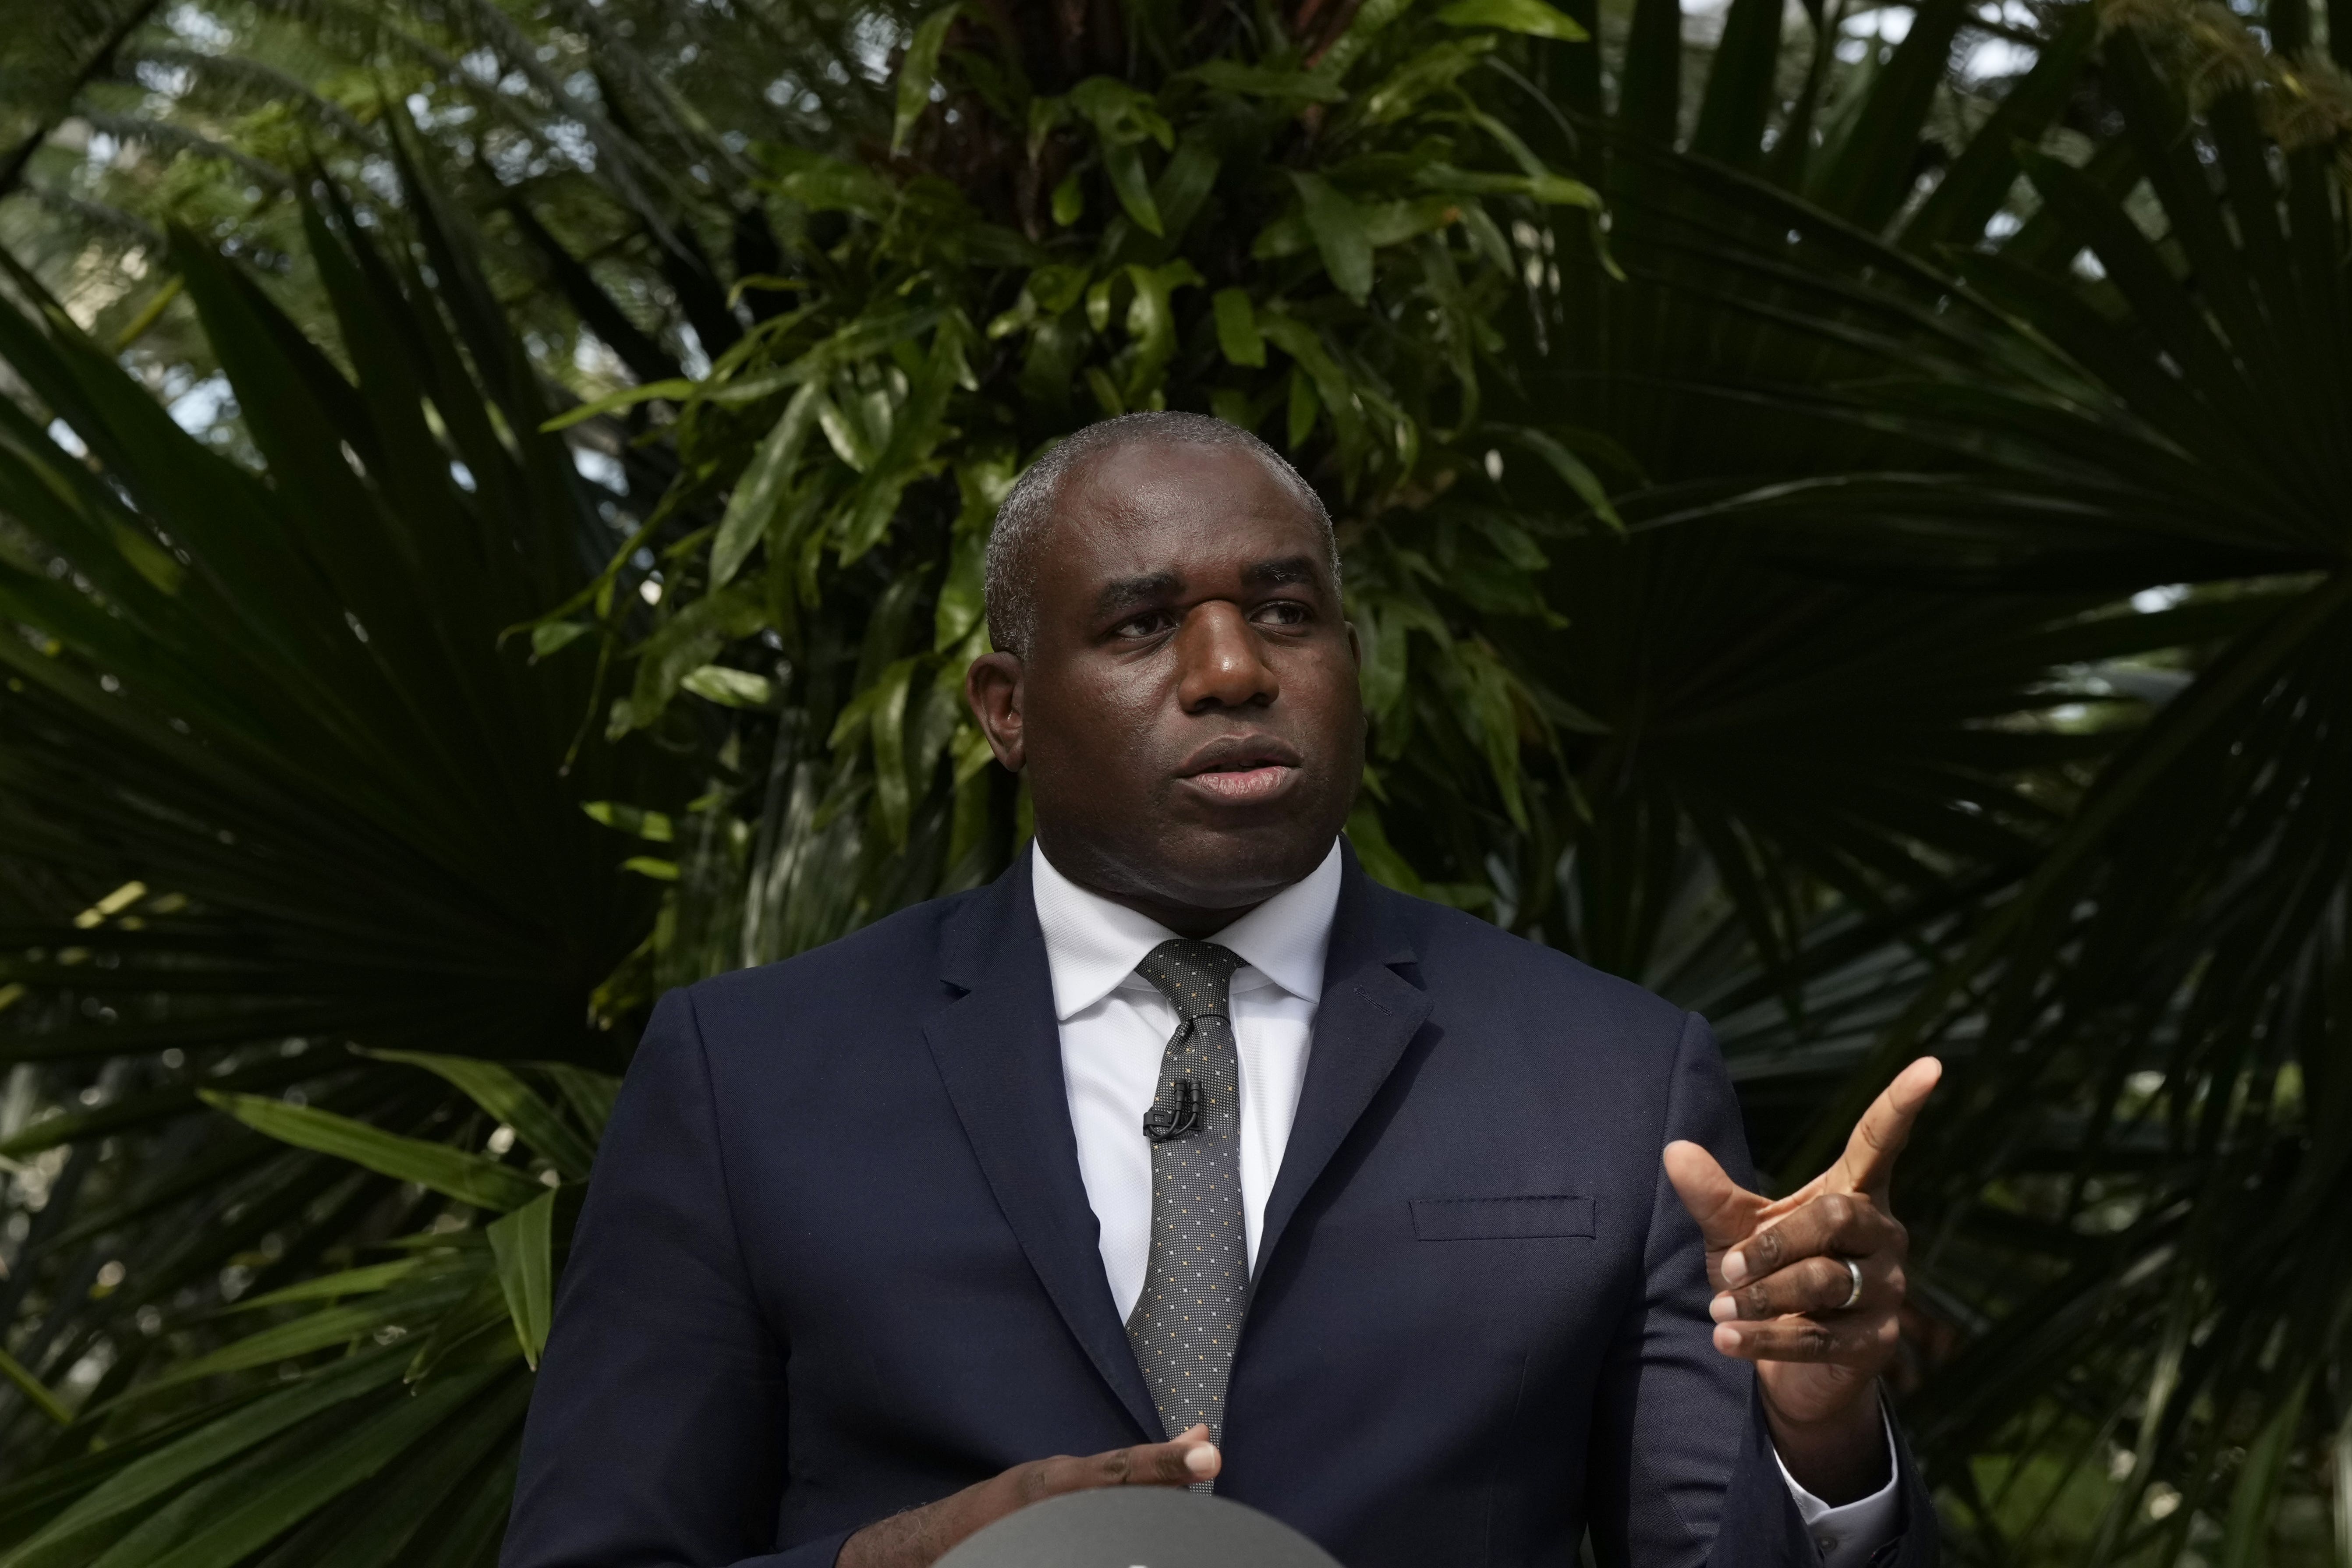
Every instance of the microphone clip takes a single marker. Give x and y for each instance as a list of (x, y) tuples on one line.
[(1164, 1124)]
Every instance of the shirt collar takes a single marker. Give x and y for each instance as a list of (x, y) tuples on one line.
[(1092, 944)]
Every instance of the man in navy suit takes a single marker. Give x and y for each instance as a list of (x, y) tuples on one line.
[(1186, 1146)]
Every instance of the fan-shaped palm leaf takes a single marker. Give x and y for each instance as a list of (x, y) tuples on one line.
[(275, 783)]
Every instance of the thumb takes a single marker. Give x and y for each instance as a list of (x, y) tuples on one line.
[(1197, 1454), (1726, 1212)]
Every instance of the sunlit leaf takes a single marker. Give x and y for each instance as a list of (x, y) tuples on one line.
[(918, 71), (731, 688), (1530, 16), (756, 496), (468, 1178), (522, 1242), (498, 1090)]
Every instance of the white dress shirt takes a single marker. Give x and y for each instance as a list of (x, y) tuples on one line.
[(1114, 1030), (1115, 1026)]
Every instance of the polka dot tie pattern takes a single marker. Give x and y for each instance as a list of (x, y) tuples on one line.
[(1196, 1287)]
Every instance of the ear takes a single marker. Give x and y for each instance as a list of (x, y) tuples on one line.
[(992, 686)]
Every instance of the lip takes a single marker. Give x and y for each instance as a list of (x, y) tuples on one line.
[(1242, 770)]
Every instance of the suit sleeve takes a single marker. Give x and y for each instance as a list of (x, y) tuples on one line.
[(1682, 1472), (656, 1432)]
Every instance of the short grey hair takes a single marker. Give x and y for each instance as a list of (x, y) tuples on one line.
[(1028, 508)]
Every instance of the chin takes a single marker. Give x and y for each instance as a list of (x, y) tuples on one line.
[(1229, 865)]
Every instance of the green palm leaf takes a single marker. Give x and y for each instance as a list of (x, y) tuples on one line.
[(2135, 1189), (261, 731)]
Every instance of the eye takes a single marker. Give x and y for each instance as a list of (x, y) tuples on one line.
[(1149, 623), (1281, 613)]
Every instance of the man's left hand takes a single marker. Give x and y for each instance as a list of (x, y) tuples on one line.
[(1786, 1273)]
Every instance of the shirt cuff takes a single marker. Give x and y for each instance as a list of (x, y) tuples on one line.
[(1847, 1535)]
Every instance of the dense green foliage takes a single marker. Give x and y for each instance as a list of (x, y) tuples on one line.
[(268, 712), (1884, 586), (1043, 259)]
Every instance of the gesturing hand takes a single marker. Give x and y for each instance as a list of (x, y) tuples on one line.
[(922, 1536), (1786, 1272)]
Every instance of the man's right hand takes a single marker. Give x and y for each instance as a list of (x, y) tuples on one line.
[(922, 1536)]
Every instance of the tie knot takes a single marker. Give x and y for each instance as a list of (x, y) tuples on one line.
[(1192, 974)]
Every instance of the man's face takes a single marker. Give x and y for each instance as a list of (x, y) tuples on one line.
[(1188, 714)]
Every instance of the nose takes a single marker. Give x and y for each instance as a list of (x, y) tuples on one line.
[(1221, 662)]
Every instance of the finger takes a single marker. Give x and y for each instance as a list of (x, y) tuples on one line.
[(1868, 1163), (1813, 1286), (1835, 1223), (1725, 1211), (1865, 1340), (1202, 1459), (1189, 1457)]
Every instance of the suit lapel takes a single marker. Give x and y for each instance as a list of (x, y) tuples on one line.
[(999, 1052), (1368, 1016)]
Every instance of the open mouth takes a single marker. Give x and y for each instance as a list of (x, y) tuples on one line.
[(1242, 768)]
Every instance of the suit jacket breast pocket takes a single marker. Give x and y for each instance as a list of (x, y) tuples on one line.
[(1502, 1220)]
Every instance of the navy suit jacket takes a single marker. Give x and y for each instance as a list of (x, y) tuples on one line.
[(836, 1261)]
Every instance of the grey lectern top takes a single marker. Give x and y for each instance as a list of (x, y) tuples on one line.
[(1138, 1526)]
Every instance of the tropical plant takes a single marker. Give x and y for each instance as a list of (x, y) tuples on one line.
[(262, 732), (2167, 991), (615, 130), (2134, 1198), (402, 1447)]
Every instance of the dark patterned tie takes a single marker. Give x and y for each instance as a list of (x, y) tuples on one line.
[(1197, 1286)]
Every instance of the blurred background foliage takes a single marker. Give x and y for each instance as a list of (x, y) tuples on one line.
[(1844, 504)]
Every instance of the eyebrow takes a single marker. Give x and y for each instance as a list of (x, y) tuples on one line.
[(1130, 593), (1279, 574), (1153, 587)]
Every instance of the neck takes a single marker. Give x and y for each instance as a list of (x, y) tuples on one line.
[(1107, 878), (1184, 920)]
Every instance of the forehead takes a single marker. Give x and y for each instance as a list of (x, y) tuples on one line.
[(1166, 506)]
